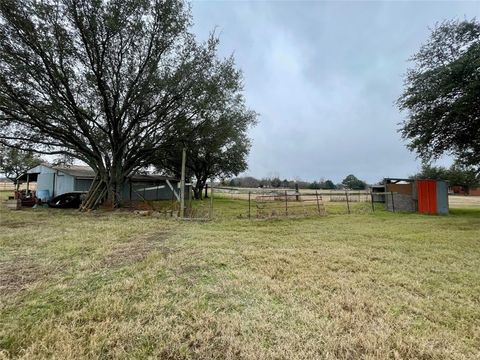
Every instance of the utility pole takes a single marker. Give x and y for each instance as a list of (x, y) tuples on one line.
[(182, 184)]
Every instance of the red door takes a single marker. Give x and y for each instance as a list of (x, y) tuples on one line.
[(427, 196)]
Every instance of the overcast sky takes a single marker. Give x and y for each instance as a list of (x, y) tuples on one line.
[(324, 77)]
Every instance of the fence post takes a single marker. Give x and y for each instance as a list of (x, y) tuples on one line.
[(211, 198), (182, 184), (190, 210), (286, 204), (373, 206), (318, 204), (348, 205), (249, 204), (393, 203)]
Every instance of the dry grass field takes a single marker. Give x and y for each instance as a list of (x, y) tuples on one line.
[(458, 201), (360, 286)]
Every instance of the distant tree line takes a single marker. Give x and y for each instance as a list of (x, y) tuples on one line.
[(350, 182), (14, 162), (455, 175)]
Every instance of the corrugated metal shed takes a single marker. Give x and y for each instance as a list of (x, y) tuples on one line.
[(425, 196), (442, 197), (57, 180)]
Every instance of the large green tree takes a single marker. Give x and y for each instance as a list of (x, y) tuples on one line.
[(14, 162), (442, 94), (217, 144), (328, 185), (429, 171), (352, 182), (101, 81), (457, 174)]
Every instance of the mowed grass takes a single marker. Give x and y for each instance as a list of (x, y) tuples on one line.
[(359, 286), (4, 194)]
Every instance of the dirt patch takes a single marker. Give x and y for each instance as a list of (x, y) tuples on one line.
[(19, 274), (137, 249)]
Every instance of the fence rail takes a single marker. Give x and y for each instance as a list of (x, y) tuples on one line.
[(9, 186)]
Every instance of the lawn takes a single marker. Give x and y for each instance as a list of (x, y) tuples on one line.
[(116, 285), (4, 194)]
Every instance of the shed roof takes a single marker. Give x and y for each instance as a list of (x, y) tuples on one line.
[(151, 177), (76, 170), (397, 180), (86, 172)]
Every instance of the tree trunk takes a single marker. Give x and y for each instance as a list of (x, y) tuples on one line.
[(107, 188), (115, 185), (197, 190)]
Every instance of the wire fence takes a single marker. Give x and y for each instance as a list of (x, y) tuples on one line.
[(273, 203), (228, 202)]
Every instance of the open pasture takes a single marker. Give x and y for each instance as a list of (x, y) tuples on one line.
[(460, 201), (116, 285)]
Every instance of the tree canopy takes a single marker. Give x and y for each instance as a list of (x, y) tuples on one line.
[(352, 182), (329, 185), (14, 162), (457, 174), (217, 144), (442, 94), (103, 81)]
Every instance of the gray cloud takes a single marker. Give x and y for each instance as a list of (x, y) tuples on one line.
[(324, 77)]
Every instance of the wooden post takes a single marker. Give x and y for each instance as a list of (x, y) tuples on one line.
[(393, 203), (249, 193), (211, 198), (206, 191), (318, 204), (182, 184), (348, 205), (373, 206), (28, 182), (286, 203), (190, 198)]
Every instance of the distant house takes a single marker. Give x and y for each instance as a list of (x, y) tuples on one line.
[(461, 190), (53, 180)]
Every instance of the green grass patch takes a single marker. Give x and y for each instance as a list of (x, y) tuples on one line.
[(4, 194)]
